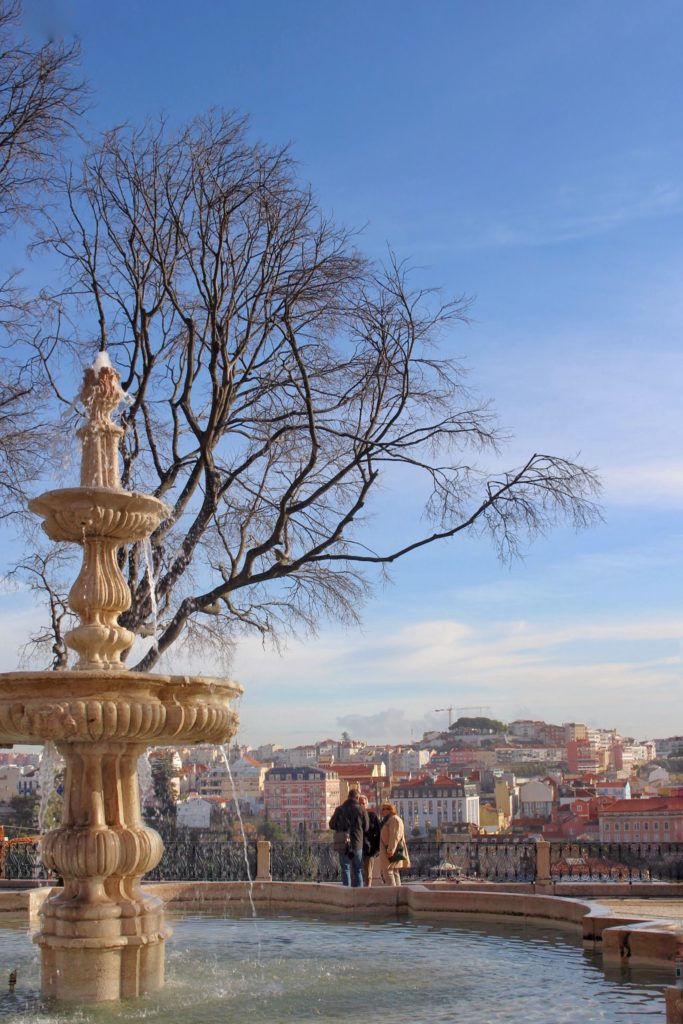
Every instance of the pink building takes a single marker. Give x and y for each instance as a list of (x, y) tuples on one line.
[(462, 755), (583, 757), (301, 796), (650, 820)]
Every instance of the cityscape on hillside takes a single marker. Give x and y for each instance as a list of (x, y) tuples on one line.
[(479, 777)]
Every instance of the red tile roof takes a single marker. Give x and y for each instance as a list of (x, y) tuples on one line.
[(353, 769), (647, 804)]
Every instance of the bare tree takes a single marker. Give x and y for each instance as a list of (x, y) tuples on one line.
[(275, 376), (43, 573), (40, 100)]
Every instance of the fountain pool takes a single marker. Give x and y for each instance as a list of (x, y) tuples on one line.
[(313, 968)]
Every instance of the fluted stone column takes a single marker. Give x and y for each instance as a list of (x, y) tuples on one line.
[(102, 936)]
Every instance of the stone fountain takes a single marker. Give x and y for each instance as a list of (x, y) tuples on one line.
[(102, 936)]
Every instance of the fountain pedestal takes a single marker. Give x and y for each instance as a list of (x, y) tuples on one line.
[(102, 937)]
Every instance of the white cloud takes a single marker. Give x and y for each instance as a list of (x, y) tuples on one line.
[(657, 482)]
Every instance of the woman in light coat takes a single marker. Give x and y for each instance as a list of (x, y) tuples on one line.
[(391, 836)]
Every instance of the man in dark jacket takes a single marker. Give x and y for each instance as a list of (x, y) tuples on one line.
[(350, 823), (370, 841)]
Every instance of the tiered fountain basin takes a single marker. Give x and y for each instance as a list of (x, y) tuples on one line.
[(102, 937)]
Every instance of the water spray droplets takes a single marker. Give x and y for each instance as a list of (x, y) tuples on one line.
[(50, 763)]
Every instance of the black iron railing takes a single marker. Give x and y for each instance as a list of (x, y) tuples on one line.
[(317, 861), (21, 860), (205, 860), (301, 861), (495, 860), (489, 860), (629, 862)]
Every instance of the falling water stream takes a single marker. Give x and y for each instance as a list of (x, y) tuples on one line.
[(50, 762), (145, 782), (245, 846), (151, 583)]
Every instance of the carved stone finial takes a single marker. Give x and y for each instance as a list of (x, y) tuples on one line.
[(101, 394), (101, 517)]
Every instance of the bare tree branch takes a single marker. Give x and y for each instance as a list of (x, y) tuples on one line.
[(276, 376)]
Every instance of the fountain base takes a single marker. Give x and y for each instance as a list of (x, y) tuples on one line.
[(81, 969), (102, 937)]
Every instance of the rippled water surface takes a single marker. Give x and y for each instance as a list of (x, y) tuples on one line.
[(358, 972)]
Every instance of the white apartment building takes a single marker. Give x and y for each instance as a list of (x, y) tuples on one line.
[(408, 760), (17, 780), (195, 812), (425, 802)]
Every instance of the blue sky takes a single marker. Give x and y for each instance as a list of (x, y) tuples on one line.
[(527, 155)]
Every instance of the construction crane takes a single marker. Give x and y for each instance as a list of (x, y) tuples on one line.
[(451, 708), (450, 713)]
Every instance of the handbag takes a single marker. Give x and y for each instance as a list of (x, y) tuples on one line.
[(398, 854), (341, 841)]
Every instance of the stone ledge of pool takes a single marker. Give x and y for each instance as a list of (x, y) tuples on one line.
[(622, 937)]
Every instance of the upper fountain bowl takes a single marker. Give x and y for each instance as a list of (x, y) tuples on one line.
[(74, 513)]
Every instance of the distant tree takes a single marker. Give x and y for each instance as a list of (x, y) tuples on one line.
[(23, 812), (271, 831), (526, 770), (55, 803), (490, 725), (162, 812)]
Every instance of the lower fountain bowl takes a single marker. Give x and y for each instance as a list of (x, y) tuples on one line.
[(110, 706)]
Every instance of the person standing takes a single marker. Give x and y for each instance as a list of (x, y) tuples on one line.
[(370, 842), (350, 823), (393, 850)]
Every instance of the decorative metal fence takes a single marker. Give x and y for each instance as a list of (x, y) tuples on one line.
[(494, 860), (616, 862), (490, 860), (299, 861), (21, 860), (205, 860)]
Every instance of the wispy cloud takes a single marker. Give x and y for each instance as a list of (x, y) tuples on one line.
[(646, 483), (621, 671), (551, 227)]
